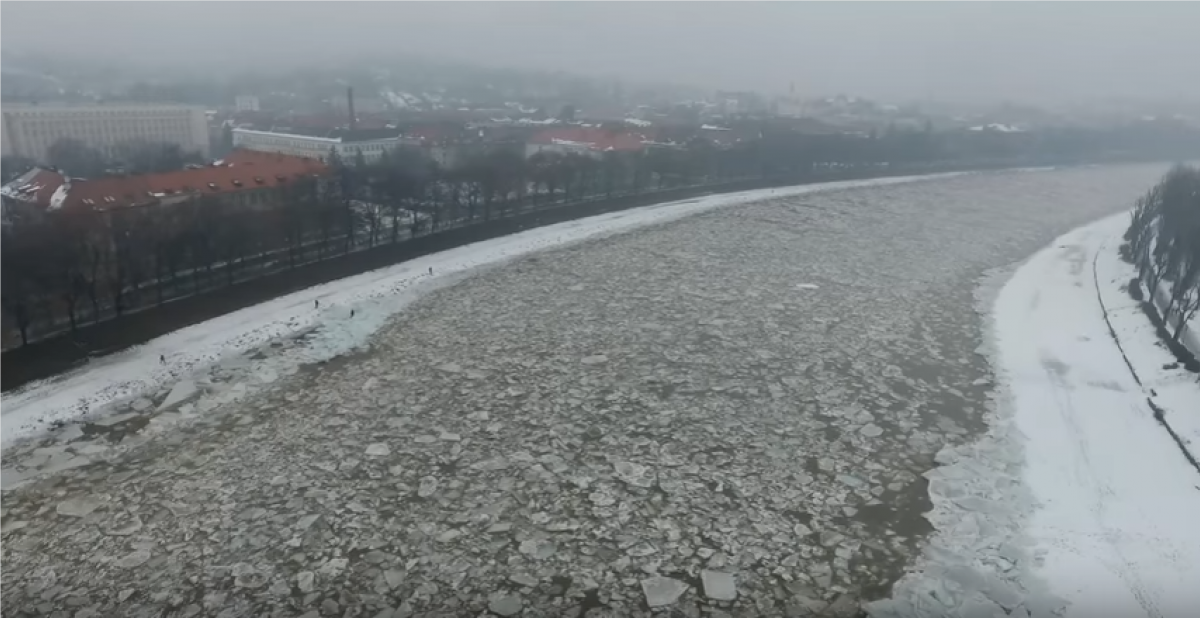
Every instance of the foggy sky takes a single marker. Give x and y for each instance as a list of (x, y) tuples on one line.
[(1029, 52)]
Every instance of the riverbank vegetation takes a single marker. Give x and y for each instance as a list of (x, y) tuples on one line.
[(1163, 241), (66, 269)]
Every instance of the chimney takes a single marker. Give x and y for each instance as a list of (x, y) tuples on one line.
[(350, 104)]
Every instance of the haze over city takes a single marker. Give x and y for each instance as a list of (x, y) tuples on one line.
[(595, 310), (1027, 52)]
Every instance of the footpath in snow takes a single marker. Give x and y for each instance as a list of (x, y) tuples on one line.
[(291, 331), (1078, 501)]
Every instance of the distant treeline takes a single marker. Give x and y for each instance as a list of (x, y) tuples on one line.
[(68, 268)]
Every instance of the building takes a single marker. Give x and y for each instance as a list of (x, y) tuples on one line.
[(30, 130), (246, 103), (372, 143), (247, 178), (590, 141)]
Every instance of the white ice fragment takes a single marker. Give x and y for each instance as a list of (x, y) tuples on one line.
[(305, 580), (77, 507), (503, 604), (334, 567), (427, 487), (718, 585), (182, 392), (538, 548), (393, 578), (11, 479), (634, 474), (661, 591), (522, 579), (871, 430), (115, 419), (133, 560), (124, 528)]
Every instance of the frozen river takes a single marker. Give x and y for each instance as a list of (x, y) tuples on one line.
[(752, 391)]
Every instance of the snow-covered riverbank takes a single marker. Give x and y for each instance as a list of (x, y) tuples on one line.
[(1078, 499)]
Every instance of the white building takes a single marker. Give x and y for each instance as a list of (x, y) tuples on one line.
[(30, 130), (347, 143), (246, 103)]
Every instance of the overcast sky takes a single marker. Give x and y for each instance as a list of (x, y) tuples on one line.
[(964, 51)]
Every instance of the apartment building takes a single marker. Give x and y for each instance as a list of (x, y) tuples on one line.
[(30, 130), (317, 144)]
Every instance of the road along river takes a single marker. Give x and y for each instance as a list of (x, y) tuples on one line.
[(726, 413)]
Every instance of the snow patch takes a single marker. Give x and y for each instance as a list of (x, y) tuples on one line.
[(1076, 501), (59, 196)]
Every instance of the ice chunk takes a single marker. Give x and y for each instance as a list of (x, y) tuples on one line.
[(661, 591), (183, 392)]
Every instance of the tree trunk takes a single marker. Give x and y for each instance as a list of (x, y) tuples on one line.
[(23, 325), (70, 302)]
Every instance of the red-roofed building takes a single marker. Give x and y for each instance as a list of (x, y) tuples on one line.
[(250, 178), (29, 193), (584, 140)]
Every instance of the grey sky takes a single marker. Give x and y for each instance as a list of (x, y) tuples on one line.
[(966, 51)]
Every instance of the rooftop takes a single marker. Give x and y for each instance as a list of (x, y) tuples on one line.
[(594, 138), (35, 186), (240, 171), (339, 135)]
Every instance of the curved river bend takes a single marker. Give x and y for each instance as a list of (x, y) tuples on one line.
[(753, 390)]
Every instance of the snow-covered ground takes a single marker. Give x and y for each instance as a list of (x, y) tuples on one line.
[(374, 297), (1078, 499), (1173, 390)]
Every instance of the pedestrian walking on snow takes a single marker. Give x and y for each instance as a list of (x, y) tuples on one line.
[(431, 270), (316, 303), (351, 313), (162, 359)]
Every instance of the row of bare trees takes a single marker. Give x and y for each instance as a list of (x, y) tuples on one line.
[(1164, 242), (65, 269), (69, 268)]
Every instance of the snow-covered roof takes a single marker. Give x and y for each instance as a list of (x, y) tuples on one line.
[(34, 186), (997, 127), (59, 196)]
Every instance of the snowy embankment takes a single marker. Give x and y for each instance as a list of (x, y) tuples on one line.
[(1077, 500), (328, 330), (1172, 388), (1189, 336)]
